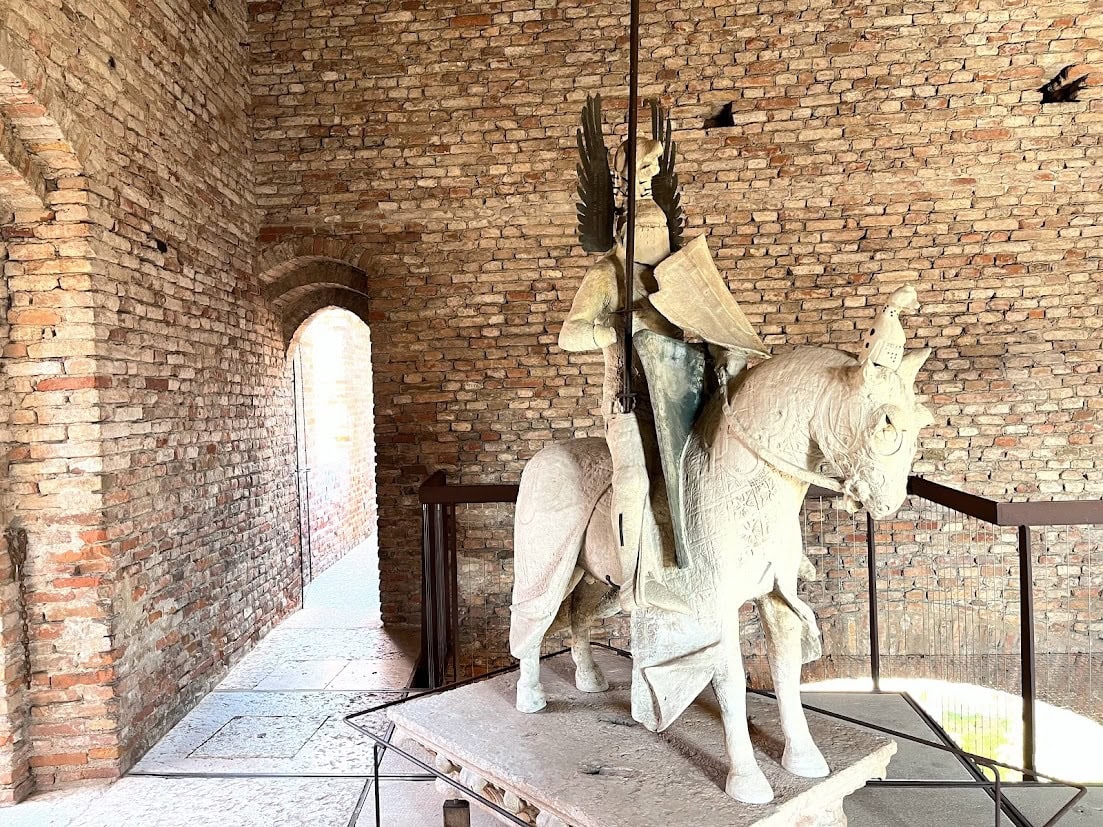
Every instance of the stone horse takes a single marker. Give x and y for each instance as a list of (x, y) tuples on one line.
[(811, 415)]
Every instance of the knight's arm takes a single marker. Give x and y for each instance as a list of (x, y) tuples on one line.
[(588, 324)]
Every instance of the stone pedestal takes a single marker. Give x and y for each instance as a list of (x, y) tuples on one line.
[(584, 762)]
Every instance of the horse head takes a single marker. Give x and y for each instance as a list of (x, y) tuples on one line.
[(867, 431), (819, 415)]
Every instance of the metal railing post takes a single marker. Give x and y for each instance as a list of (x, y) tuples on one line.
[(428, 599), (874, 631), (430, 594), (453, 586), (1026, 644), (440, 595)]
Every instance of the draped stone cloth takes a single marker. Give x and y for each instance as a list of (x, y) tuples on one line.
[(560, 488)]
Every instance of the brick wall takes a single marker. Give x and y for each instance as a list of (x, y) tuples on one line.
[(413, 162), (14, 748), (336, 437), (874, 145), (150, 444), (55, 627)]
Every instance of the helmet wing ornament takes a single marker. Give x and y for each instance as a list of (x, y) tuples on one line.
[(595, 182), (664, 186)]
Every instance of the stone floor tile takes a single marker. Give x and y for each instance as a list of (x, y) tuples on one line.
[(315, 644), (912, 760), (372, 674), (268, 736), (53, 809), (305, 674), (225, 802), (321, 617), (1040, 804), (394, 650), (914, 807), (348, 753)]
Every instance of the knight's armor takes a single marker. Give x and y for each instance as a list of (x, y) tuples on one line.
[(595, 321), (675, 289)]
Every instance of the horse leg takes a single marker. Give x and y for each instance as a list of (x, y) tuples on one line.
[(587, 597), (783, 626), (530, 692), (746, 782)]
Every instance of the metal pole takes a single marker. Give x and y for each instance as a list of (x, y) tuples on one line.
[(440, 595), (453, 590), (304, 501), (1026, 643), (295, 380), (874, 634), (375, 783), (427, 596), (627, 401)]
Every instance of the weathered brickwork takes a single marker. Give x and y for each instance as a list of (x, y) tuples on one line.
[(336, 437), (55, 620), (873, 144), (149, 430), (184, 183), (15, 780)]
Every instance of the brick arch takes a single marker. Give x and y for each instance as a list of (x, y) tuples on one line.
[(308, 275), (296, 316), (32, 142), (34, 152), (278, 260), (18, 192), (302, 285), (18, 63)]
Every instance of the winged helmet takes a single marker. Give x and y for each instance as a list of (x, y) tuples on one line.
[(597, 211)]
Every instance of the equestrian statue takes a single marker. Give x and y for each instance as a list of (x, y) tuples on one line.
[(689, 507)]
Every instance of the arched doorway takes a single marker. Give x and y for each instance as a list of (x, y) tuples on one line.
[(322, 306), (330, 356)]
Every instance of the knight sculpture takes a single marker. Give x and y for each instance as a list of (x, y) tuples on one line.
[(689, 506), (641, 518)]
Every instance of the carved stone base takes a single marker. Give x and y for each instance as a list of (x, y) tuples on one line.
[(583, 761)]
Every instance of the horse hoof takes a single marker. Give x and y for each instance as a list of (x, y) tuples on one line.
[(807, 763), (752, 788), (590, 681), (531, 699)]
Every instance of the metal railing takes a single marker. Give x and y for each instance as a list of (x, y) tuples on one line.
[(442, 602), (440, 571)]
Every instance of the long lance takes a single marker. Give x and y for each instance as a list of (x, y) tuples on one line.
[(627, 398)]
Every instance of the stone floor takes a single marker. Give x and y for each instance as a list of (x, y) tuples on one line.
[(269, 747)]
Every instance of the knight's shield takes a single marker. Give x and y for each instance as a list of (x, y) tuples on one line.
[(675, 373)]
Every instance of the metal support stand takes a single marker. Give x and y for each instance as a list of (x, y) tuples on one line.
[(874, 632), (376, 758), (457, 813), (1026, 643)]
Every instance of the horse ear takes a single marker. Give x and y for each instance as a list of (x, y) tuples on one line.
[(864, 374), (911, 363)]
